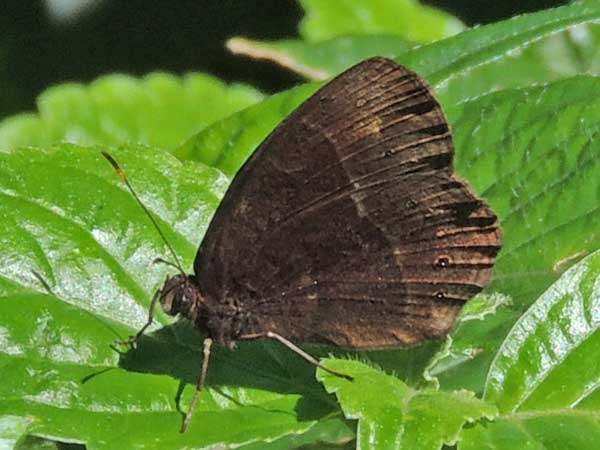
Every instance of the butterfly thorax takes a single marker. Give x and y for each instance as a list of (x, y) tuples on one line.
[(222, 319)]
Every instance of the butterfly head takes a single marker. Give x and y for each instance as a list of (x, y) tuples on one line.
[(180, 295)]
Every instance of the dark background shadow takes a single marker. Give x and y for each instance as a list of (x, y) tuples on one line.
[(139, 36)]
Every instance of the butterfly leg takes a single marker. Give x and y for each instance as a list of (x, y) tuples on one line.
[(293, 347), (133, 339), (199, 386)]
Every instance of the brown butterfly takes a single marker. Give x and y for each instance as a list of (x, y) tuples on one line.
[(347, 226)]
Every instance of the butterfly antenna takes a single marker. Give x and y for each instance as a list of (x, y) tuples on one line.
[(124, 179)]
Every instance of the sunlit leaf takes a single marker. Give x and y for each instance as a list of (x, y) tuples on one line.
[(391, 415), (544, 378)]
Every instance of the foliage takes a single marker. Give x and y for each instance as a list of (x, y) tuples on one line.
[(520, 369)]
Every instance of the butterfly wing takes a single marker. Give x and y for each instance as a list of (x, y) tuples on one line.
[(347, 225)]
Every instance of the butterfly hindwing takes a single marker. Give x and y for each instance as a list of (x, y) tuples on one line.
[(347, 225)]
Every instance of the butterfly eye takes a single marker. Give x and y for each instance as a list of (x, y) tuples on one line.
[(440, 295)]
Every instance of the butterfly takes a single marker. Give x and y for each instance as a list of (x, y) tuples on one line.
[(347, 226)]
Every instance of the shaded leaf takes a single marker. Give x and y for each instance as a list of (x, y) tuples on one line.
[(35, 443), (405, 18), (391, 415), (160, 110)]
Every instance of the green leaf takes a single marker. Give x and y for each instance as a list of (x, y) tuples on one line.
[(160, 110), (391, 415), (66, 215), (548, 359), (528, 49), (544, 378), (320, 60), (552, 431), (405, 18)]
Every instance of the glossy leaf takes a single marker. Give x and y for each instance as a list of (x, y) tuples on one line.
[(66, 216), (405, 18), (320, 60), (391, 415), (160, 110), (544, 378), (548, 359)]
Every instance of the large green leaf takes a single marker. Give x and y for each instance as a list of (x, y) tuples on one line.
[(160, 110), (66, 216), (544, 378), (391, 415), (408, 19)]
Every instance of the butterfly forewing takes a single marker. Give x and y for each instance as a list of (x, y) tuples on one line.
[(348, 225)]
